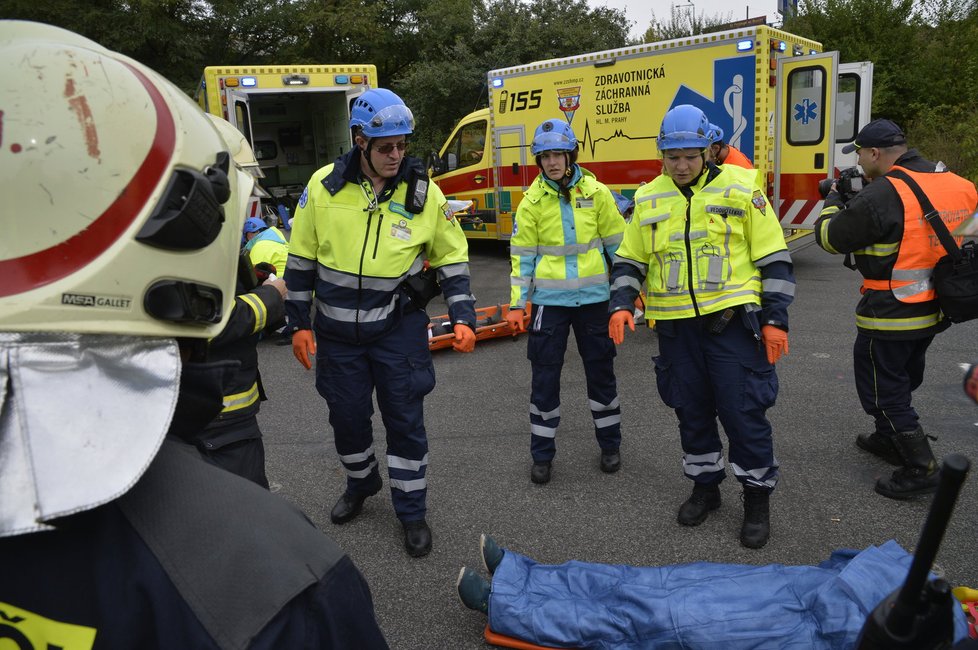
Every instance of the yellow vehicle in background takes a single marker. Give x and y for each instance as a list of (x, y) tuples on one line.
[(295, 117), (778, 98)]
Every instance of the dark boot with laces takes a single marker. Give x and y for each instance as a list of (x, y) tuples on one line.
[(919, 474), (756, 528), (879, 445), (703, 500)]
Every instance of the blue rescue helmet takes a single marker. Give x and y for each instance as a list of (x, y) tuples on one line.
[(553, 135), (380, 113), (254, 224), (716, 134), (685, 127)]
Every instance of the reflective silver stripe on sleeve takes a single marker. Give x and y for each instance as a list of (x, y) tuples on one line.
[(613, 240), (521, 281), (299, 296), (878, 250), (530, 251), (297, 263), (452, 270), (779, 256), (459, 298), (785, 287), (643, 268), (626, 281)]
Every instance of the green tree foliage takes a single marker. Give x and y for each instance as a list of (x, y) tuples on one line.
[(470, 37), (683, 22), (925, 65)]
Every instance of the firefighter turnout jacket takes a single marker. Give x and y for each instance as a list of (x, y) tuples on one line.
[(251, 313), (562, 252), (711, 246), (894, 247), (350, 251)]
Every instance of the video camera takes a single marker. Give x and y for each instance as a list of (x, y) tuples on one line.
[(850, 182)]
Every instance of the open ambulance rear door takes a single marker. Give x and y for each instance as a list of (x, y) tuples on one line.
[(854, 103), (804, 135)]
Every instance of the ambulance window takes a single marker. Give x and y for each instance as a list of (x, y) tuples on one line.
[(242, 119), (467, 147), (806, 106), (847, 108)]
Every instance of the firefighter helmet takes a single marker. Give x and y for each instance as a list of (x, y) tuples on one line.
[(137, 220), (684, 127), (380, 113)]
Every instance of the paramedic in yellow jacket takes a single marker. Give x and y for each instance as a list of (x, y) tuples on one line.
[(718, 280), (566, 231), (363, 229)]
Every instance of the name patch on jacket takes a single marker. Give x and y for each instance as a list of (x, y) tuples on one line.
[(725, 210), (759, 201), (585, 203)]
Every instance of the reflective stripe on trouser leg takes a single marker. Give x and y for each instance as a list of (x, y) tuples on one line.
[(684, 385), (746, 386), (545, 349), (401, 364), (344, 379), (597, 352), (886, 373)]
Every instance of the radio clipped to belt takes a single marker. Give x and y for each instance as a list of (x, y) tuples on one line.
[(421, 287)]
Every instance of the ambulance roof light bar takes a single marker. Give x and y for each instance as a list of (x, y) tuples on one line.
[(295, 80)]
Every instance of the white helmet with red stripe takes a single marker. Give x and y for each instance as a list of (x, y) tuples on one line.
[(129, 204)]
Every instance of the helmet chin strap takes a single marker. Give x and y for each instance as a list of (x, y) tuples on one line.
[(366, 153)]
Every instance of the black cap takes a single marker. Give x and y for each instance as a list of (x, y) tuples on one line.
[(878, 133)]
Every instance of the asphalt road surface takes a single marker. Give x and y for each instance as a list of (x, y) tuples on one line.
[(478, 477)]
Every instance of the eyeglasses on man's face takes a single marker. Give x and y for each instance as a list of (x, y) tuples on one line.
[(389, 147)]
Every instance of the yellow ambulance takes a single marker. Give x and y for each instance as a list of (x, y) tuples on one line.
[(295, 117), (788, 106)]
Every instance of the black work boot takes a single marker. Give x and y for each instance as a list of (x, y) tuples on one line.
[(540, 472), (694, 510), (610, 461), (919, 474), (879, 445), (349, 505), (417, 538), (756, 528)]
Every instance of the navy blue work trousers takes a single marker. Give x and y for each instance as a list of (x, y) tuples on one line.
[(887, 372), (705, 377), (549, 329), (398, 366)]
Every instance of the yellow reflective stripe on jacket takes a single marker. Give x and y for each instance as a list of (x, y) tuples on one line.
[(238, 401), (898, 324), (258, 307), (879, 250)]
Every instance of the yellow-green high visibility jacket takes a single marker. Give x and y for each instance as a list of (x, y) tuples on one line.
[(705, 253), (562, 252), (352, 253)]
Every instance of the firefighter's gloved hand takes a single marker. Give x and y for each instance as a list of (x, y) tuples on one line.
[(515, 319), (304, 344), (775, 342), (616, 325), (464, 338)]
